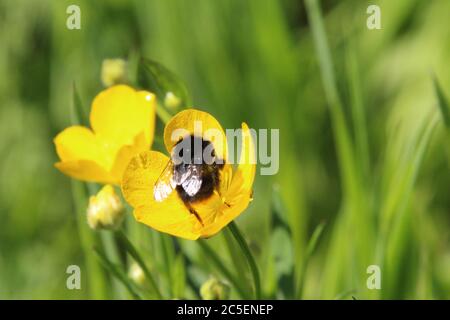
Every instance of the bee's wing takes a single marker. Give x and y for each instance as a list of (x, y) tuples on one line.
[(181, 173), (193, 181), (165, 183)]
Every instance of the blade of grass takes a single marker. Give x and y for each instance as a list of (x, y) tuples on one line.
[(311, 247), (98, 288), (238, 260), (358, 112), (338, 275), (167, 249), (397, 198), (444, 106), (179, 276), (163, 114), (97, 285), (137, 257), (361, 207), (398, 194), (340, 129), (442, 101), (79, 114), (248, 255), (118, 273), (214, 258)]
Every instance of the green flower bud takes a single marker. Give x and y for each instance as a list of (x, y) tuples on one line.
[(171, 101), (136, 274), (114, 71), (105, 210), (214, 289)]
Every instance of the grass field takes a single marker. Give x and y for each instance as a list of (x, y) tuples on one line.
[(364, 144)]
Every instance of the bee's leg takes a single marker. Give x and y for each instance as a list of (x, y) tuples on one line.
[(195, 213)]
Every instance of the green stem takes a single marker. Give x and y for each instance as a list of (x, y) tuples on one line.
[(238, 262), (163, 114), (137, 257), (250, 259), (98, 288), (167, 253), (118, 273), (211, 254)]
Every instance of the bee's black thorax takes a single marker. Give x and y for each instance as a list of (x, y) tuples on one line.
[(210, 173)]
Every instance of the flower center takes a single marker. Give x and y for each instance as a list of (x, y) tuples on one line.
[(195, 158)]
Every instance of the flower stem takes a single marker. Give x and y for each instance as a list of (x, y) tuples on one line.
[(163, 114), (139, 260), (222, 267), (250, 259), (98, 287)]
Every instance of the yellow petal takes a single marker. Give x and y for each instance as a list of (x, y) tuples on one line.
[(239, 192), (125, 154), (226, 175), (76, 142), (208, 209), (245, 173), (198, 123), (82, 156), (120, 113), (171, 215), (225, 215), (85, 170)]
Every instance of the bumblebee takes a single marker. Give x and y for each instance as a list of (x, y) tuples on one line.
[(193, 171)]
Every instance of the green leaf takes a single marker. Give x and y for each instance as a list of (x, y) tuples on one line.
[(281, 247), (157, 78), (118, 273), (283, 258), (442, 101), (278, 210)]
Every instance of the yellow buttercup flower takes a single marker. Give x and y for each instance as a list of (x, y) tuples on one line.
[(122, 121), (207, 215)]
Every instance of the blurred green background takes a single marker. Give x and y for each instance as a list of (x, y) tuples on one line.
[(372, 165)]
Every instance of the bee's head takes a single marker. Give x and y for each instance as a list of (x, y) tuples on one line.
[(193, 150)]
